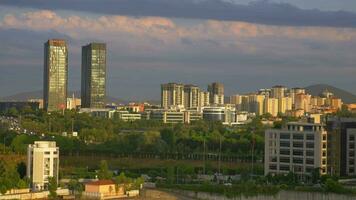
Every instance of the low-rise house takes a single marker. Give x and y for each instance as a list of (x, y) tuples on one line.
[(103, 189)]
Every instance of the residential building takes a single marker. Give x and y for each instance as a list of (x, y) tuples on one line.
[(42, 163), (55, 75), (271, 106), (278, 91), (204, 99), (191, 96), (93, 86), (256, 104), (172, 94), (298, 147), (216, 91), (284, 104), (302, 101), (294, 91)]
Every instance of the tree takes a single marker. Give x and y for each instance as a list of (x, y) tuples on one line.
[(104, 172), (21, 169), (52, 187)]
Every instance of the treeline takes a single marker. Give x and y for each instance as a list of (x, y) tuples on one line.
[(100, 135)]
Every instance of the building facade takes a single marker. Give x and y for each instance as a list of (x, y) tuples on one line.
[(216, 91), (42, 163), (300, 148), (55, 75), (172, 94), (93, 88)]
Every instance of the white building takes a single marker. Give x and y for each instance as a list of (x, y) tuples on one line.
[(42, 163), (299, 147)]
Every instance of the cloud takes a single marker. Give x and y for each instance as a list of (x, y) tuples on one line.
[(262, 12)]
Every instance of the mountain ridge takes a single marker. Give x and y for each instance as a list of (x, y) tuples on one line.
[(317, 89)]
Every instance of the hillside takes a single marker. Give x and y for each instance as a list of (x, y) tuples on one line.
[(346, 96)]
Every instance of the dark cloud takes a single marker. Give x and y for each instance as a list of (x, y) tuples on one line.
[(262, 12)]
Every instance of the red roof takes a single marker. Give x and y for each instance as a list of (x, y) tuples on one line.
[(101, 182)]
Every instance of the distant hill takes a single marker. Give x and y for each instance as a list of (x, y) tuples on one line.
[(346, 96), (23, 96)]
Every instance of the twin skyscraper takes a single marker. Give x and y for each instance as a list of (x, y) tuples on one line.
[(93, 81)]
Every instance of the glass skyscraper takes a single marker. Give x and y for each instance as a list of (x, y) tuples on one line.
[(93, 89), (55, 75)]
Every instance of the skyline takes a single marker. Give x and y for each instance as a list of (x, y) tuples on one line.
[(144, 52)]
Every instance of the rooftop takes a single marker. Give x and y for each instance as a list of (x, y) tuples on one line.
[(101, 182)]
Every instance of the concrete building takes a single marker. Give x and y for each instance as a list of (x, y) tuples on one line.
[(298, 147), (73, 103), (93, 86), (103, 189), (173, 117), (256, 104), (341, 146), (42, 163), (204, 99), (294, 91), (191, 96), (216, 91), (224, 114), (172, 94), (127, 116), (271, 106), (278, 91), (302, 101), (284, 104), (55, 75), (99, 112)]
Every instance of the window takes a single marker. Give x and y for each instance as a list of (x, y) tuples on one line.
[(310, 145), (310, 161), (284, 167), (324, 153), (298, 160), (324, 137), (352, 138), (324, 145), (284, 136), (284, 152), (298, 136), (351, 170), (351, 162), (351, 145), (310, 137), (298, 152), (298, 144), (284, 144), (324, 161), (47, 152), (273, 167), (310, 153), (284, 159)]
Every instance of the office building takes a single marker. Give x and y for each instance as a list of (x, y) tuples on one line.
[(127, 116), (224, 114), (93, 88), (42, 163), (216, 91), (298, 147), (172, 95), (341, 146), (55, 75)]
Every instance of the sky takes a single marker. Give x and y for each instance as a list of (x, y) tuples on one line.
[(244, 44)]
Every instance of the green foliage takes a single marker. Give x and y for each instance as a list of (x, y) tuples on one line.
[(104, 172), (10, 178), (52, 187)]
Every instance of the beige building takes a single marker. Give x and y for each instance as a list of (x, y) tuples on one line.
[(42, 163), (271, 106), (278, 91), (297, 147), (256, 104), (204, 99), (172, 94), (302, 101), (103, 189), (284, 104), (294, 91), (191, 96)]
